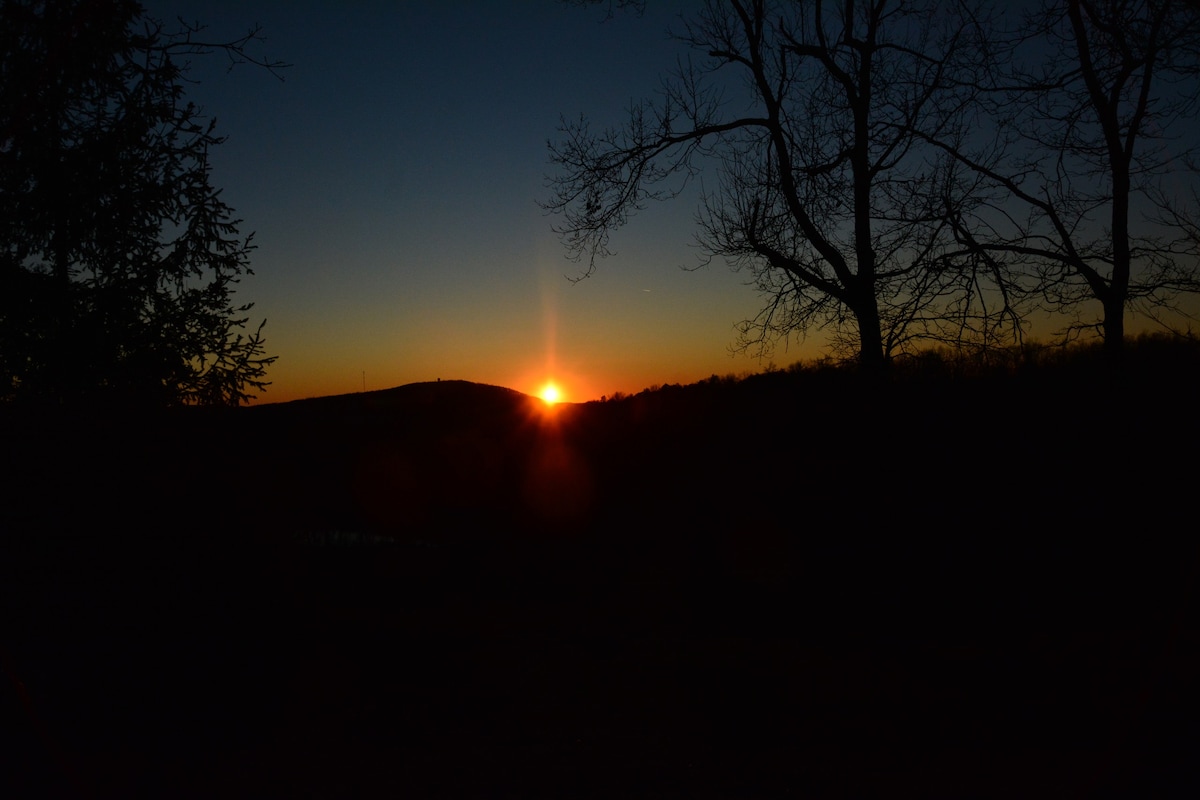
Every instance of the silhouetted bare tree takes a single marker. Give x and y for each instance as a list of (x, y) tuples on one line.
[(118, 256), (1089, 102), (812, 115)]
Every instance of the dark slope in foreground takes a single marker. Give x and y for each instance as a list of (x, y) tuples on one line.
[(800, 585)]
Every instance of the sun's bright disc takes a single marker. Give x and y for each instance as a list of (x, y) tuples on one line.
[(550, 394)]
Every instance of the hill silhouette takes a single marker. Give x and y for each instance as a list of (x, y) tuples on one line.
[(808, 578)]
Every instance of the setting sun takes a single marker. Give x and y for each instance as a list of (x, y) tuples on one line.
[(550, 394)]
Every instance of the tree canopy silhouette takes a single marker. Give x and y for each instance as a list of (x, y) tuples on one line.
[(118, 255), (812, 115), (1089, 104), (902, 171)]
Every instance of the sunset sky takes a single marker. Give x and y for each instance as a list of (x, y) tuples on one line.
[(392, 181)]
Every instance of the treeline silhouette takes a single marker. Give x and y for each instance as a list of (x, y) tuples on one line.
[(940, 431), (816, 576), (900, 174)]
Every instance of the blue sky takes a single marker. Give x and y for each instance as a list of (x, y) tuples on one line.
[(393, 178)]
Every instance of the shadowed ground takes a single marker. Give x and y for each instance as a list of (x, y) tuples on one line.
[(779, 588)]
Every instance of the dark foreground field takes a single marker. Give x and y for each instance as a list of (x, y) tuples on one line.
[(797, 586)]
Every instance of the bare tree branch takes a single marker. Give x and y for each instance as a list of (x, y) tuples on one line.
[(826, 196)]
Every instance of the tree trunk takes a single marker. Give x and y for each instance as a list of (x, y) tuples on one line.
[(1114, 324), (870, 336), (1118, 288)]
